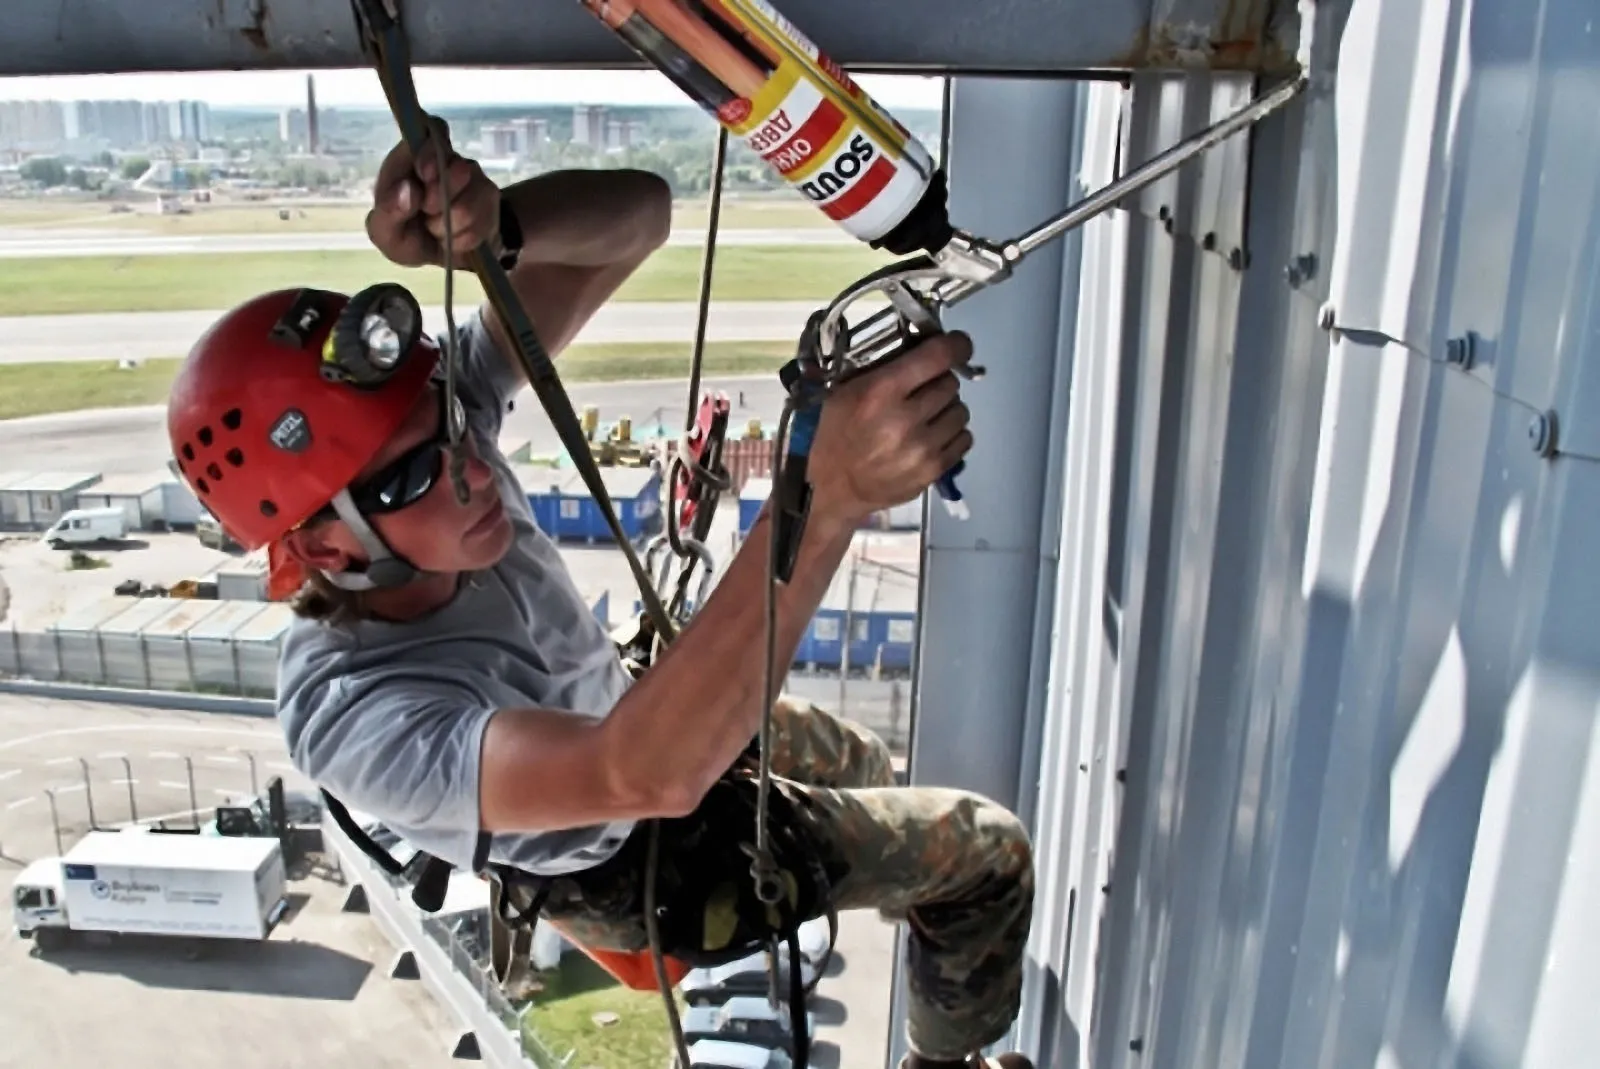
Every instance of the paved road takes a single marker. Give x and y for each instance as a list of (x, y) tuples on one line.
[(41, 741), (147, 335), (49, 244), (134, 439)]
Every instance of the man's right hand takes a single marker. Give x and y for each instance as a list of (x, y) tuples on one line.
[(887, 435), (406, 222)]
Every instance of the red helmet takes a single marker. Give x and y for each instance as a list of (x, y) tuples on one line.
[(288, 396)]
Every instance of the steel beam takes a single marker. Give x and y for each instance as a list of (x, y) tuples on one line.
[(116, 36)]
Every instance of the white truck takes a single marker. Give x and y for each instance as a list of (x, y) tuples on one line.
[(143, 882), (81, 527)]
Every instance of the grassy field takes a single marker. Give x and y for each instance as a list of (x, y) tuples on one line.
[(786, 212), (563, 1018), (68, 386), (204, 281)]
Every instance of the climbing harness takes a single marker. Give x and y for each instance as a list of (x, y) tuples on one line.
[(747, 66)]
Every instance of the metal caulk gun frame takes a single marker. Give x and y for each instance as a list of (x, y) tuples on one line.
[(921, 287)]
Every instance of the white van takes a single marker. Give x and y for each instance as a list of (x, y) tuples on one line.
[(78, 527)]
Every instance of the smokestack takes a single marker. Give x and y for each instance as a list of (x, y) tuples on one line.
[(311, 114)]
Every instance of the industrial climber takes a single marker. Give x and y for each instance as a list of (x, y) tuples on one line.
[(443, 674)]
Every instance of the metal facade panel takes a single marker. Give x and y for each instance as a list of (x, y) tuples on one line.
[(1071, 828), (1319, 754), (110, 36)]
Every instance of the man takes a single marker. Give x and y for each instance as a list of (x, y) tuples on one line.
[(444, 674)]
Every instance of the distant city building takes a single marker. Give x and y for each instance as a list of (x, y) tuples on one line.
[(589, 125), (52, 125), (311, 115), (518, 137), (32, 124)]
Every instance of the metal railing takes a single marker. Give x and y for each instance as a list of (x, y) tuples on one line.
[(452, 963)]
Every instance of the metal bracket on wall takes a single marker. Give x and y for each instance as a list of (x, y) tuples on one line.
[(1207, 205), (1472, 356)]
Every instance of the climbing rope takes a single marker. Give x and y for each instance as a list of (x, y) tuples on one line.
[(684, 464), (386, 46)]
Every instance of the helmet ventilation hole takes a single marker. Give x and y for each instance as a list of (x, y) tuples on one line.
[(232, 418), (268, 508), (188, 451), (214, 471), (204, 436), (235, 456), (200, 485)]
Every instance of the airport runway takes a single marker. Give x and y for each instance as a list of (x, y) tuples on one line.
[(147, 335), (134, 439), (42, 243)]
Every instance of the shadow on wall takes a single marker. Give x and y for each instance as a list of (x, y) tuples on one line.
[(1356, 808), (1405, 862)]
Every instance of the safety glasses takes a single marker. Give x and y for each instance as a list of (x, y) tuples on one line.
[(406, 479)]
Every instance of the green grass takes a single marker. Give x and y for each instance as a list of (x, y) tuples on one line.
[(36, 389), (206, 281), (71, 385), (562, 1018), (782, 211)]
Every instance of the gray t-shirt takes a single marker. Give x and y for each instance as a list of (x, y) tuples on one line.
[(389, 717)]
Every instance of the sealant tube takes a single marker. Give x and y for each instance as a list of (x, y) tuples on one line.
[(768, 85)]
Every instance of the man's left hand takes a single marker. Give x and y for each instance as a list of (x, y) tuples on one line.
[(406, 222)]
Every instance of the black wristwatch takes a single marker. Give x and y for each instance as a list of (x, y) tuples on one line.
[(510, 235)]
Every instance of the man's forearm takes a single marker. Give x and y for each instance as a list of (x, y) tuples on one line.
[(591, 218), (699, 705), (583, 234)]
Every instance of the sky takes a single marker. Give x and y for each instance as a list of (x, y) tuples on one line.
[(436, 87)]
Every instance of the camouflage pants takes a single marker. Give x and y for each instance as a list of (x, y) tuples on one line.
[(956, 867)]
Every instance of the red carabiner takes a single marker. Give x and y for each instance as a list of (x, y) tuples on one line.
[(694, 494)]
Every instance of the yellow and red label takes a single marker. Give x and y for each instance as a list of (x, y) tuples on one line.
[(797, 109), (818, 129)]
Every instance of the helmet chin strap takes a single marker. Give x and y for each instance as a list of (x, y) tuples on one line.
[(384, 569)]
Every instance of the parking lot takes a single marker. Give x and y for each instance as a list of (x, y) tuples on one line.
[(317, 988), (40, 584)]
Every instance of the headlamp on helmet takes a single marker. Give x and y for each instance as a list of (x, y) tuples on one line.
[(372, 336)]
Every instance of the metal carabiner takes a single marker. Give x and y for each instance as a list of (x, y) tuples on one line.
[(675, 598)]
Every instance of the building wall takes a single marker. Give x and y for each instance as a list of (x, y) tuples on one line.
[(1309, 744)]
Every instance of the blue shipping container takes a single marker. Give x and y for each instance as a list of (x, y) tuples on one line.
[(567, 512), (751, 499), (881, 639)]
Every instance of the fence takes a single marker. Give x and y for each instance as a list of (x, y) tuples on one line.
[(202, 645), (246, 666), (144, 662)]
